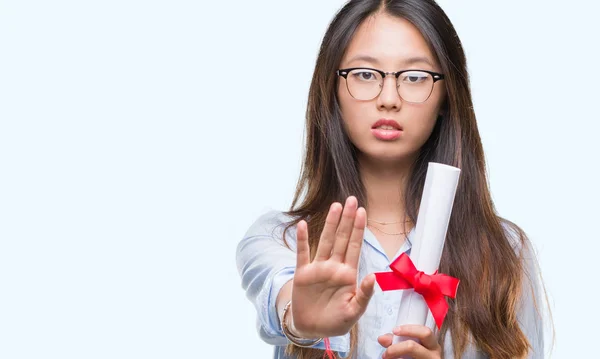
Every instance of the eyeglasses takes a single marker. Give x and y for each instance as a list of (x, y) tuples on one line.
[(413, 85)]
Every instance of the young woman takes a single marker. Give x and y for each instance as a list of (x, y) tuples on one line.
[(390, 93)]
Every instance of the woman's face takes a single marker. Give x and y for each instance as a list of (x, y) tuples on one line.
[(391, 44)]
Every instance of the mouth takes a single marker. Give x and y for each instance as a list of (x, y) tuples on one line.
[(387, 125), (386, 130)]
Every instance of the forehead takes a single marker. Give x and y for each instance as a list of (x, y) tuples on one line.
[(390, 41)]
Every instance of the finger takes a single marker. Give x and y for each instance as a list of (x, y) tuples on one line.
[(407, 347), (302, 249), (364, 294), (344, 230), (420, 332), (385, 340), (328, 234), (356, 239)]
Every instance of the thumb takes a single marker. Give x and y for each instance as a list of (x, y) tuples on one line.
[(385, 340), (365, 292)]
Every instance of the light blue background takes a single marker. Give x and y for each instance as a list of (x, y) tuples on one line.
[(140, 139)]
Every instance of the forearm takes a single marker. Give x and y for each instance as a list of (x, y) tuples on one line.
[(284, 296)]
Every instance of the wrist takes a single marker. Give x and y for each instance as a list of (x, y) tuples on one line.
[(297, 338), (294, 331)]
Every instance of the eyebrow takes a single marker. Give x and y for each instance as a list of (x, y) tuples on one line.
[(408, 61)]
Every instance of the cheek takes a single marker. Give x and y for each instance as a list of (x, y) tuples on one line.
[(344, 98), (350, 108), (421, 126), (355, 115), (424, 118)]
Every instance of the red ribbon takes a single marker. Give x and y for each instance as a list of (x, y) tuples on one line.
[(328, 352), (433, 288)]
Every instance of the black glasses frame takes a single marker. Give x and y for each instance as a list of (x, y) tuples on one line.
[(344, 73)]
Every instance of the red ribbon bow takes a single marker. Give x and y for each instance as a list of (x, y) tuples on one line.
[(433, 288)]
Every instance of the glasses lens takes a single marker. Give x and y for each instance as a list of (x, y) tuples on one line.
[(364, 84), (415, 86)]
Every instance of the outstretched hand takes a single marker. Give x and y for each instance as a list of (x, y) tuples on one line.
[(325, 298)]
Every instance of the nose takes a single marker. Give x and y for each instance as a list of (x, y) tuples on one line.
[(389, 99)]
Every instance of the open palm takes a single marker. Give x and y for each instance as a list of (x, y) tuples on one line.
[(325, 298)]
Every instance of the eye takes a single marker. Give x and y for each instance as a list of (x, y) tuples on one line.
[(365, 75), (414, 77)]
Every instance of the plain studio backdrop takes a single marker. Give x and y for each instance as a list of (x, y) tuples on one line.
[(140, 139)]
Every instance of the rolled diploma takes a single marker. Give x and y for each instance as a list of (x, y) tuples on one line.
[(441, 182)]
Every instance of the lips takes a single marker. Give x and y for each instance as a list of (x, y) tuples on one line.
[(386, 130), (387, 124)]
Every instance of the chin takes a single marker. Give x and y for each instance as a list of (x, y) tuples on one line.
[(388, 156), (391, 150)]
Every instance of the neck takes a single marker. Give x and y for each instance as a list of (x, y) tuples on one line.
[(385, 185)]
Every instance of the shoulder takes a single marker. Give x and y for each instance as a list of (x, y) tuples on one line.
[(271, 223), (516, 237), (524, 250)]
